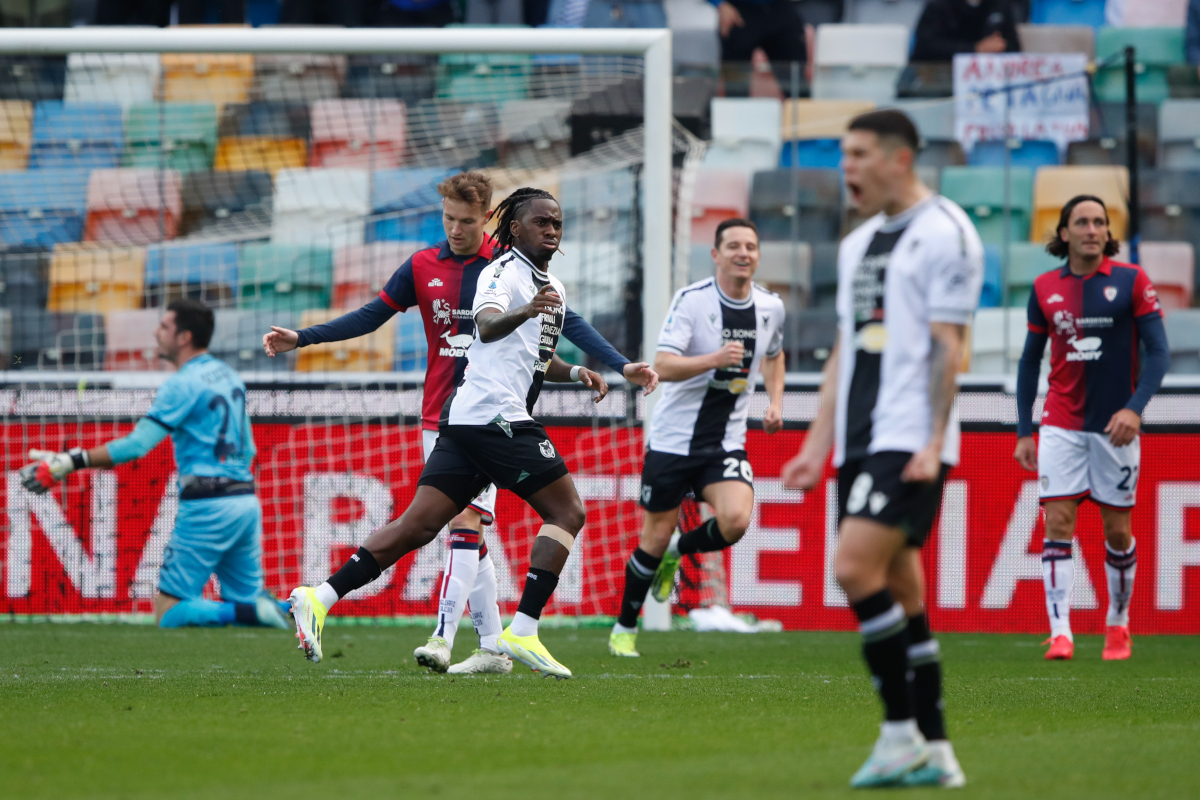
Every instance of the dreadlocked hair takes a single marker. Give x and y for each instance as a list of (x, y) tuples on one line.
[(510, 207)]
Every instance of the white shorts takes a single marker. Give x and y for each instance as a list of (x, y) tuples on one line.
[(1080, 464), (485, 503)]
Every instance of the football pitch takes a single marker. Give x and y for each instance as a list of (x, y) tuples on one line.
[(119, 711)]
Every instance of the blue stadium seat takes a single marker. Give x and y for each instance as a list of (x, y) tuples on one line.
[(1030, 153), (992, 293), (1067, 12), (816, 200), (206, 272), (42, 206), (32, 77), (76, 135), (812, 154), (409, 197), (276, 120), (411, 347), (24, 277)]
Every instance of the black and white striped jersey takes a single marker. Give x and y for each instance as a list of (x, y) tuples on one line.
[(895, 276), (707, 413)]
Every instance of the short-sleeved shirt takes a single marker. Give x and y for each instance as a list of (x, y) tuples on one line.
[(442, 285), (203, 406), (896, 275), (504, 377), (1092, 325), (707, 413)]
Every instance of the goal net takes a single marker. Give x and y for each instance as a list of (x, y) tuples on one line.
[(285, 189)]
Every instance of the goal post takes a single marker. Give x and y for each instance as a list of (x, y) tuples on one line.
[(653, 45)]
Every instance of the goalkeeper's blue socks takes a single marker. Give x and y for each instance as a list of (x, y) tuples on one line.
[(209, 614)]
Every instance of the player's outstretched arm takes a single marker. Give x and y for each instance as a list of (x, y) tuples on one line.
[(674, 367), (350, 325), (580, 333), (803, 471), (947, 340), (48, 467), (560, 371)]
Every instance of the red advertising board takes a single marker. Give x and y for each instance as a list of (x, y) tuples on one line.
[(94, 545)]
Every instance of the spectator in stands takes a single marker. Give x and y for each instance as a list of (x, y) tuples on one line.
[(774, 25), (1192, 42), (949, 27)]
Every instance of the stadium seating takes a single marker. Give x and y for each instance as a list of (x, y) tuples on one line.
[(42, 207), (90, 279), (534, 133), (234, 202), (592, 273), (16, 133), (824, 275), (1179, 134), (1183, 337), (181, 136), (1110, 120), (818, 119), (745, 133), (599, 203), (76, 135), (1057, 39), (453, 134), (402, 76), (32, 78), (360, 271), (121, 78), (357, 133), (217, 78), (264, 137), (881, 12), (373, 352), (859, 61), (237, 339), (991, 294), (719, 194), (1157, 50), (980, 191), (817, 332), (132, 206), (1170, 267), (406, 206), (130, 343), (782, 265), (205, 272), (1170, 206), (1104, 151), (284, 277), (320, 207), (811, 154), (988, 341), (1067, 12), (1054, 186), (24, 277), (411, 347), (599, 114), (934, 121), (476, 76), (1021, 153), (812, 195), (292, 78), (56, 340), (1027, 260), (940, 154)]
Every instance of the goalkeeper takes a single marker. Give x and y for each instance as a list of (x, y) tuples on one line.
[(218, 528)]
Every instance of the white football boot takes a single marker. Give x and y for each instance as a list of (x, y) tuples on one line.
[(895, 755), (482, 662), (942, 769), (434, 654)]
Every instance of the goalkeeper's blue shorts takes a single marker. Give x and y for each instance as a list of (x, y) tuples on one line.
[(221, 536)]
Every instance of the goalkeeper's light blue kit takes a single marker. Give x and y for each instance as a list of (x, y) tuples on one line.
[(218, 528)]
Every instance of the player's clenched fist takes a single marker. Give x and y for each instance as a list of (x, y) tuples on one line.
[(731, 354), (546, 301), (49, 468)]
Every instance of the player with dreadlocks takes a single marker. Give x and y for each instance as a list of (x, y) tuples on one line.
[(487, 434)]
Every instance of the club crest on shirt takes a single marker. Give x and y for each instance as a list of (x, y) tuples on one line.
[(1110, 293), (546, 449), (441, 311)]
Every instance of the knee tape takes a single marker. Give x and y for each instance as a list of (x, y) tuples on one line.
[(557, 534)]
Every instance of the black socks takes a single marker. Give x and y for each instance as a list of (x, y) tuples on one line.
[(925, 661), (539, 585), (639, 573), (357, 572), (705, 539), (884, 628), (245, 614)]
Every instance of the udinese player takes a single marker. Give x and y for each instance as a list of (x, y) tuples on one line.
[(908, 283), (1094, 311)]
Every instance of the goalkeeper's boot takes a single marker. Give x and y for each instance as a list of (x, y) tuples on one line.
[(271, 613), (895, 755), (942, 769), (483, 662), (309, 613), (664, 576), (1117, 643), (434, 654), (1061, 648), (532, 653), (623, 644)]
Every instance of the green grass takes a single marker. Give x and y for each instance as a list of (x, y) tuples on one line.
[(116, 711)]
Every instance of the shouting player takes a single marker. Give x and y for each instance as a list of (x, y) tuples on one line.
[(1094, 311), (218, 528), (719, 333), (487, 436), (908, 283), (440, 280)]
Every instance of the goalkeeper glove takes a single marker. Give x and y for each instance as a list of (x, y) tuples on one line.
[(49, 468)]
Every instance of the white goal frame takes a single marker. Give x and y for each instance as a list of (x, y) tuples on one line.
[(654, 45)]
